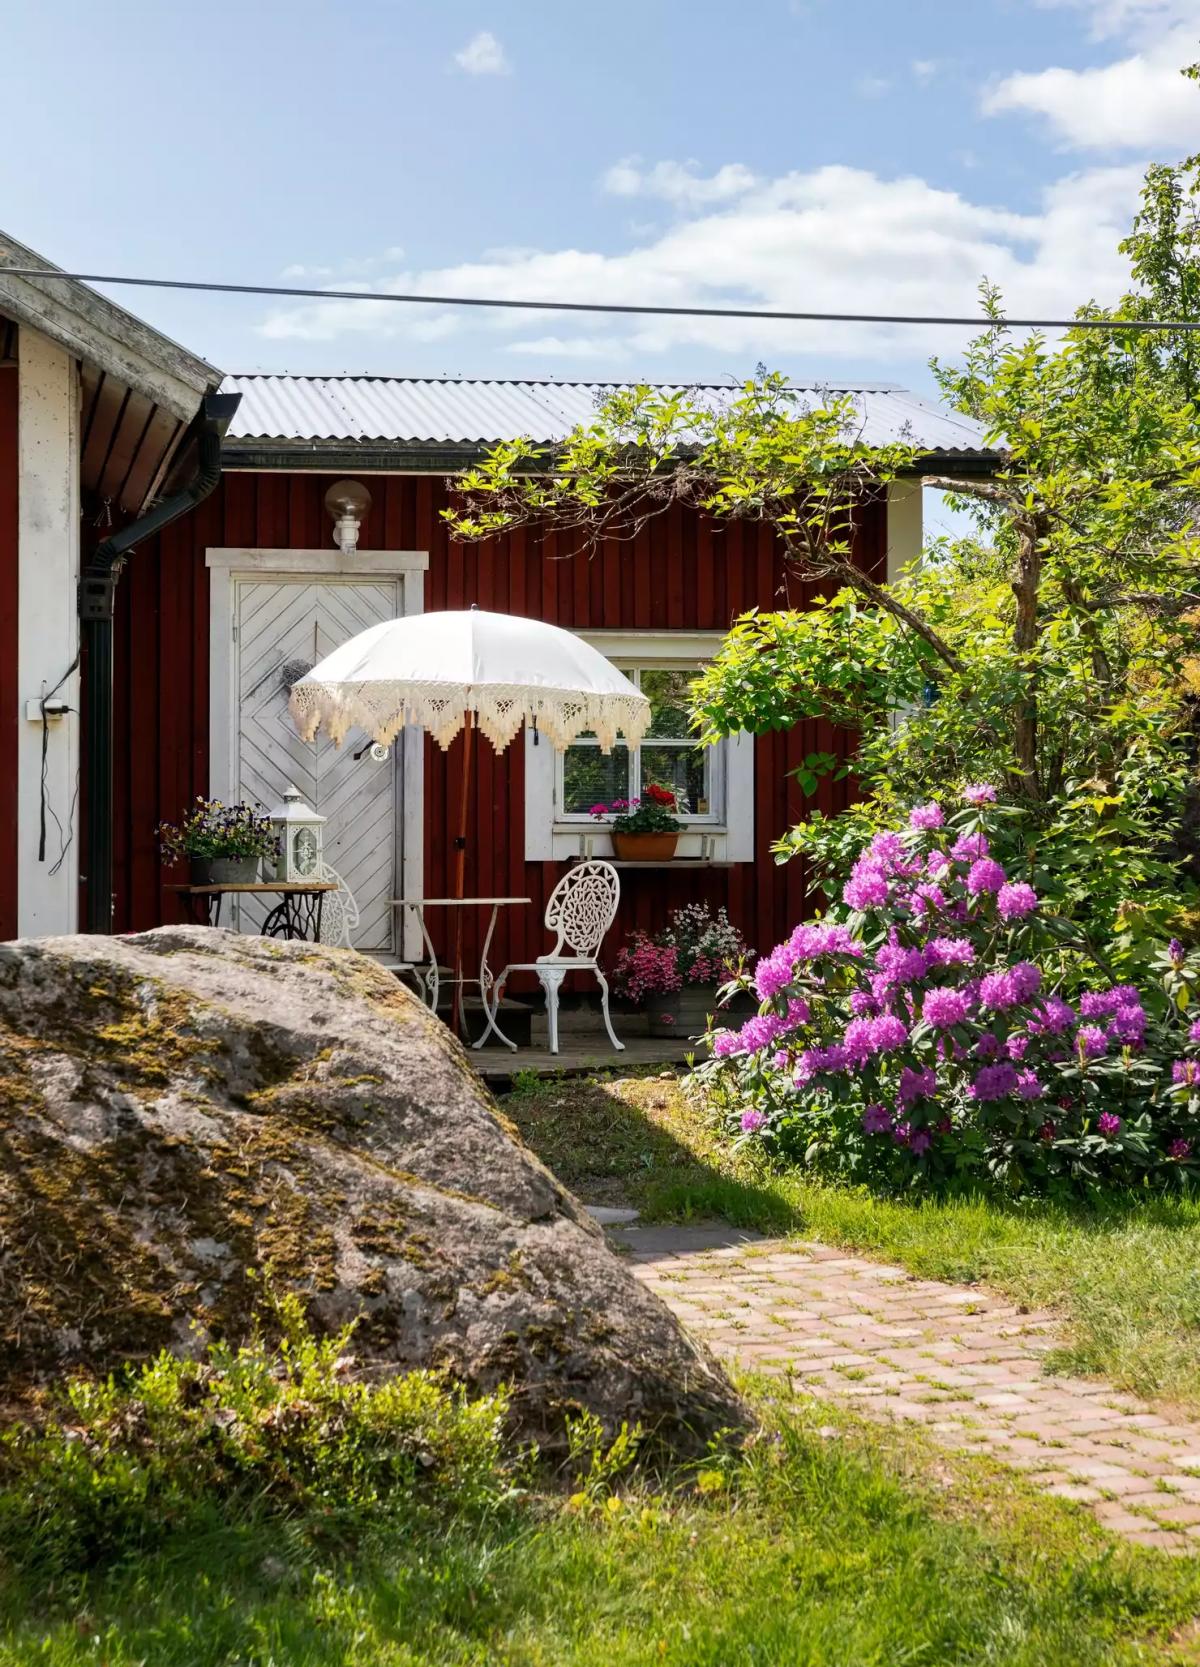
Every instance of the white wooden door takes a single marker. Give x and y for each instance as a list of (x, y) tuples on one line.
[(282, 627)]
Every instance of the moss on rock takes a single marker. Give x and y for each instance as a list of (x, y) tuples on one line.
[(183, 1110)]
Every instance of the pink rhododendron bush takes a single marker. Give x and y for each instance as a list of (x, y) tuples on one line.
[(943, 1026)]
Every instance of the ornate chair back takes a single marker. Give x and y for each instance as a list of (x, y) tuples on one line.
[(582, 907), (339, 912)]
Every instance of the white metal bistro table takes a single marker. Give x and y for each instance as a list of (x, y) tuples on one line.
[(432, 980)]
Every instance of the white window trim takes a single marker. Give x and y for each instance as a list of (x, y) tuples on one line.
[(552, 838), (225, 567)]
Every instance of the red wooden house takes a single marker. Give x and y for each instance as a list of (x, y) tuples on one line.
[(219, 612), (216, 619)]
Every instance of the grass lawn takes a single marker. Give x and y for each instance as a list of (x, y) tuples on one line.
[(829, 1545), (1126, 1278)]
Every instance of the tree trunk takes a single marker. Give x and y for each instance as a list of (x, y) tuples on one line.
[(1026, 581)]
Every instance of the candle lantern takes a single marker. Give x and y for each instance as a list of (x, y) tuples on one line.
[(297, 830)]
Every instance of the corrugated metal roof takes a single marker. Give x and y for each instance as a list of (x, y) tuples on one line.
[(414, 412)]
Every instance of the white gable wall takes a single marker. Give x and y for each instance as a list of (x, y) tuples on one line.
[(48, 562)]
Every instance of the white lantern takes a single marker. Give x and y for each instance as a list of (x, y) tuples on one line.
[(298, 831)]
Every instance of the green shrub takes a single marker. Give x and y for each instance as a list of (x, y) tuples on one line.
[(281, 1429)]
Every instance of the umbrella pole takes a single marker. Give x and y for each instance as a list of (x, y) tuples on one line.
[(460, 866)]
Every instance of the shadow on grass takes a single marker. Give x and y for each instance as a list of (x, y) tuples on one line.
[(643, 1141), (636, 1140)]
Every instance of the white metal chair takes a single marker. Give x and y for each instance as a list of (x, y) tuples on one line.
[(339, 912), (582, 907)]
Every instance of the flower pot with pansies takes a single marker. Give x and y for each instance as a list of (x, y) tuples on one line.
[(645, 829), (221, 844), (676, 975)]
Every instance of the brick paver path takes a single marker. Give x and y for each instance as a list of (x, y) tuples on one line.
[(965, 1364)]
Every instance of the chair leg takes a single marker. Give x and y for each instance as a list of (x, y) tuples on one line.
[(551, 979), (612, 1035)]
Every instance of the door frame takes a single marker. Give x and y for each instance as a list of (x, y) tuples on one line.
[(225, 568)]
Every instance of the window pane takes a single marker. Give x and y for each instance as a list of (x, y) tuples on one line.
[(590, 778), (667, 691), (684, 769)]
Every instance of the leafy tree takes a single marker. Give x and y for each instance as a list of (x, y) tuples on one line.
[(1054, 652)]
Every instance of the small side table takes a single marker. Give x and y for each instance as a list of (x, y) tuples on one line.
[(296, 915)]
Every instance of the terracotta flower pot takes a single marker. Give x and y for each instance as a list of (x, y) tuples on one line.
[(644, 847)]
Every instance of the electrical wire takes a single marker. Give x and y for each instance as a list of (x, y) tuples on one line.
[(973, 322)]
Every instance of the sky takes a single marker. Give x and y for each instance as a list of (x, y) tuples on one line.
[(857, 155)]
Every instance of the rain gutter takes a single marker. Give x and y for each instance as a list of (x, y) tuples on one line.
[(97, 594)]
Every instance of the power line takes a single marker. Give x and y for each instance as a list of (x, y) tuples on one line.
[(975, 322)]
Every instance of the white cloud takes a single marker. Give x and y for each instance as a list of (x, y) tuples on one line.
[(608, 348), (832, 239), (1119, 17), (483, 55), (871, 86), (677, 182), (924, 69), (1139, 102)]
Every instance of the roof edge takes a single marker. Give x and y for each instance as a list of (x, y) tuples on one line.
[(94, 328), (250, 454)]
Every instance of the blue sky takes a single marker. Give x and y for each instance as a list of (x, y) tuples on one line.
[(831, 153)]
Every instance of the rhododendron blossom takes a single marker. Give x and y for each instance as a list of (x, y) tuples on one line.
[(935, 1014), (927, 816)]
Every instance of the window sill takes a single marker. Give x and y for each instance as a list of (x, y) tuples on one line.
[(703, 847)]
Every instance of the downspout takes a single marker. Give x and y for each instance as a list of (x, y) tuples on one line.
[(97, 593)]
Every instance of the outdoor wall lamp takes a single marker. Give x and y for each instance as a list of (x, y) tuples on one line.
[(348, 503)]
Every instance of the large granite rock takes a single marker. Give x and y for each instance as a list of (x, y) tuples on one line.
[(183, 1108)]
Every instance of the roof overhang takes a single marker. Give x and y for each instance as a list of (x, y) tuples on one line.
[(141, 390), (383, 457)]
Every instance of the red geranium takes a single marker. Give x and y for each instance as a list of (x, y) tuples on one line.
[(660, 795)]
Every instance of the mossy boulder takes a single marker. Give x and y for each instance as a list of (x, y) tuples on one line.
[(182, 1111)]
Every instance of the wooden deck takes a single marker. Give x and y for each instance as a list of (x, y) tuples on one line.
[(579, 1054)]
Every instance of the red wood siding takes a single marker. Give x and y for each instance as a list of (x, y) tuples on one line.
[(683, 573), (9, 692)]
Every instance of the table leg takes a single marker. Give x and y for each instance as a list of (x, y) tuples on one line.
[(490, 1008), (432, 979)]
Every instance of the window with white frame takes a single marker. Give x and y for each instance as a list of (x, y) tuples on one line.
[(715, 784), (668, 756)]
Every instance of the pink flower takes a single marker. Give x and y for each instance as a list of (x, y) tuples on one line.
[(876, 1120), (867, 889), (1179, 1149), (1029, 1086), (1016, 900), (969, 846), (927, 816), (888, 1033), (1185, 1072), (1047, 1131), (1194, 1032), (979, 793), (917, 1085), (598, 810), (994, 1082), (752, 1121), (943, 1008), (950, 952), (996, 991), (1108, 1122), (1091, 1041), (984, 875), (1054, 1016), (919, 1142), (1026, 979)]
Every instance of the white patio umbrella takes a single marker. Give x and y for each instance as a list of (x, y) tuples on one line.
[(469, 670)]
